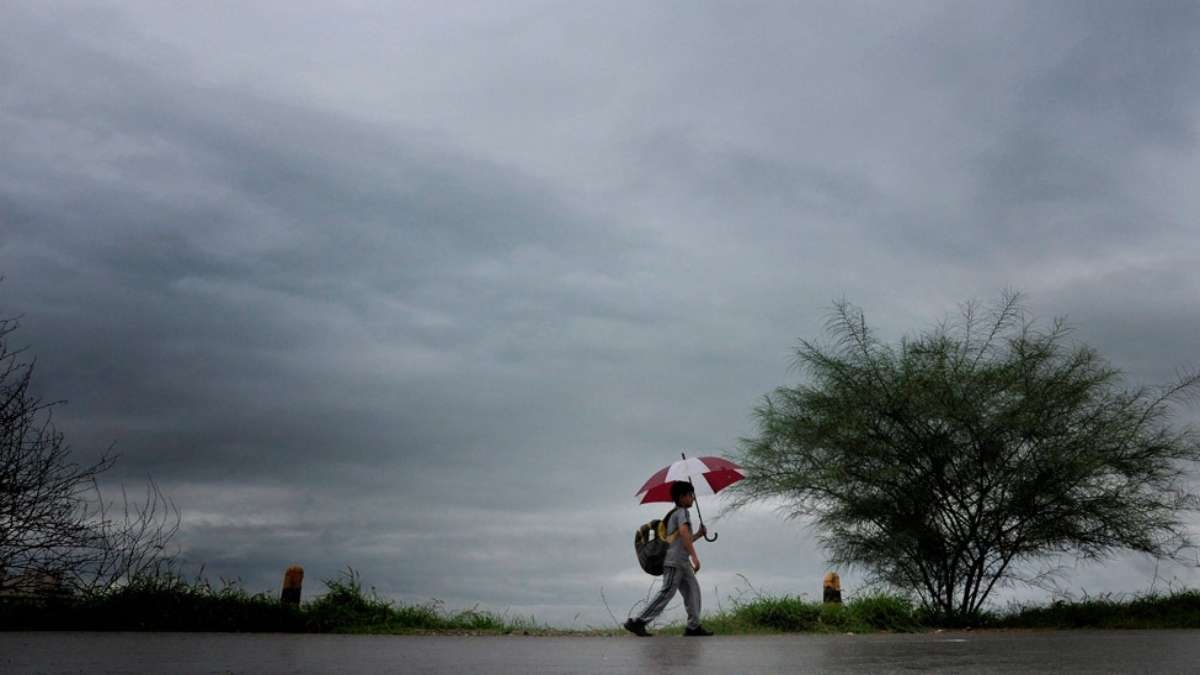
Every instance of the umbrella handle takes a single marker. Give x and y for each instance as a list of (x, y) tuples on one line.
[(698, 514), (706, 535)]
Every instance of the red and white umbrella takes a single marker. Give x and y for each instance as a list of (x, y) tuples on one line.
[(708, 476)]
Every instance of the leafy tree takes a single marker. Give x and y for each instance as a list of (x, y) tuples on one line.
[(946, 463), (56, 528)]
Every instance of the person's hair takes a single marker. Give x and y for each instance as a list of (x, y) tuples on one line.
[(680, 488)]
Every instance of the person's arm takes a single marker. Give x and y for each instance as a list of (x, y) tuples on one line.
[(685, 533)]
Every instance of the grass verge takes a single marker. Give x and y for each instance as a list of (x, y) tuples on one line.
[(791, 614), (171, 603), (174, 604), (1177, 609)]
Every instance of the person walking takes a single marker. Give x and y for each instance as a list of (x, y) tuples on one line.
[(679, 567)]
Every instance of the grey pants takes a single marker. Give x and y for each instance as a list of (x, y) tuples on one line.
[(682, 579)]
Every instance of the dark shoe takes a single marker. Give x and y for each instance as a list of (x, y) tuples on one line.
[(698, 631), (637, 627)]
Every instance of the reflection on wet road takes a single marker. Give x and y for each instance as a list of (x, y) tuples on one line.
[(1016, 652)]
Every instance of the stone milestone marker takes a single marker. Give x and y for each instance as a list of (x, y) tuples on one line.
[(833, 588), (293, 579)]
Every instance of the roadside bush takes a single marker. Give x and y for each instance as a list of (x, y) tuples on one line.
[(1179, 609), (784, 613), (885, 612), (789, 614), (346, 607), (160, 603)]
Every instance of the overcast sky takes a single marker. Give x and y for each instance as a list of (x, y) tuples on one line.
[(431, 289)]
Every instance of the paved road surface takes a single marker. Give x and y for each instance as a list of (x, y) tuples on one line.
[(1020, 652)]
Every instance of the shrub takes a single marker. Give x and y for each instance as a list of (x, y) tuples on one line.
[(785, 613), (885, 612)]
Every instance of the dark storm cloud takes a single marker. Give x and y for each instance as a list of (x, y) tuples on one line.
[(425, 292), (232, 250)]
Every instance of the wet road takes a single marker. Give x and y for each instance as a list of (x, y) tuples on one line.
[(1023, 652)]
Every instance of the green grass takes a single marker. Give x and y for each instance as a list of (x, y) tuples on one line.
[(893, 613), (791, 614), (167, 603), (171, 603), (347, 608), (1177, 609)]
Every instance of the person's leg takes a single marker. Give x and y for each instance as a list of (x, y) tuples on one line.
[(670, 582), (689, 588)]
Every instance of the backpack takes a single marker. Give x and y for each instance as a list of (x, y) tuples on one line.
[(652, 550)]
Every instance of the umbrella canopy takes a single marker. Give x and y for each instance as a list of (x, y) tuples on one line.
[(709, 475)]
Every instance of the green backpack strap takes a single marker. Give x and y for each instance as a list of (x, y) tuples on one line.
[(662, 527)]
